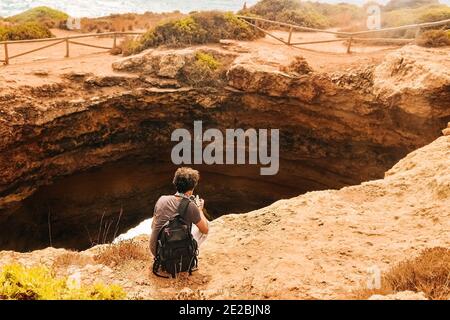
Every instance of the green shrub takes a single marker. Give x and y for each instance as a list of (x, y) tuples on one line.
[(49, 17), (205, 70), (24, 31), (305, 18), (434, 13), (39, 283), (197, 28), (269, 9), (207, 60), (434, 38), (289, 11), (402, 17)]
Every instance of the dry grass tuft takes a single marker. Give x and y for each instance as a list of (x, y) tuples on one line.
[(298, 65), (428, 273), (118, 254), (129, 46), (434, 38)]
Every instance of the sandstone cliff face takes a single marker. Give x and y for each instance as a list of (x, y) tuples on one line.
[(74, 155)]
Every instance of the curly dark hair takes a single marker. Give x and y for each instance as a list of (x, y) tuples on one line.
[(186, 179)]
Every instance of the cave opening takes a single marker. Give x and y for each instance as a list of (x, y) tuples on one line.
[(118, 180)]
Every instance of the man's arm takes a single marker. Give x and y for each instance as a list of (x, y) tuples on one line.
[(154, 213), (203, 225)]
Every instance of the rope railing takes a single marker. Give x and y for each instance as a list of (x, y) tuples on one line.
[(294, 26), (343, 36), (58, 40)]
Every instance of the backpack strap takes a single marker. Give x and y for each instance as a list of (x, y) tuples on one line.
[(183, 206)]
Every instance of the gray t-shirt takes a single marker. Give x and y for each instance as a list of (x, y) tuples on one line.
[(166, 208)]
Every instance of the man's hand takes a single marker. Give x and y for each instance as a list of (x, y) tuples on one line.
[(201, 204), (203, 224)]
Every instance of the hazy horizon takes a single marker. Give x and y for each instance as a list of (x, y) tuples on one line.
[(95, 8)]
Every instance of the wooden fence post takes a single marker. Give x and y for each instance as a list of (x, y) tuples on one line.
[(6, 54), (349, 44), (290, 36), (115, 40), (67, 48)]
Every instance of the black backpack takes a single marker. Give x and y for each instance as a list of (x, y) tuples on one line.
[(176, 249)]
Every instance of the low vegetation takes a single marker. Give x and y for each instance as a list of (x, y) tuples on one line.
[(206, 60), (46, 16), (434, 38), (400, 17), (39, 283), (197, 28), (206, 70), (289, 11), (24, 31), (307, 14), (116, 254), (351, 17), (32, 24), (407, 16), (428, 273), (35, 23), (127, 22), (128, 46)]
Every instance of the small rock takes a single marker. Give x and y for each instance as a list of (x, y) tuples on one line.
[(77, 101), (227, 42), (170, 65), (41, 73), (75, 75)]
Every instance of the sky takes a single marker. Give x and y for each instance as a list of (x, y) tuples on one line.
[(93, 8)]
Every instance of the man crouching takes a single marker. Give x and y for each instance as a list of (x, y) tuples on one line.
[(174, 240)]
